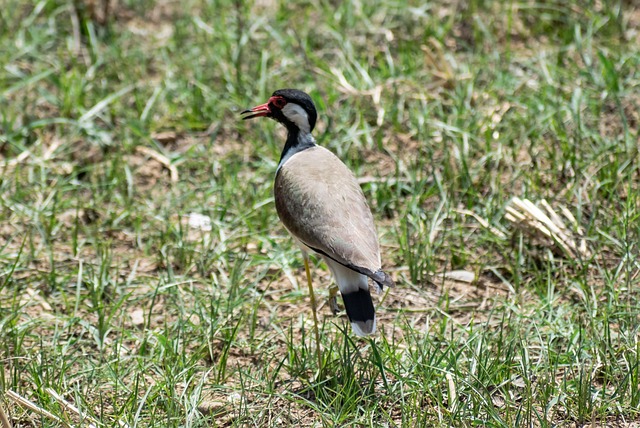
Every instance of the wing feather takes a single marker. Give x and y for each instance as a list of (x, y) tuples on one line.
[(320, 202)]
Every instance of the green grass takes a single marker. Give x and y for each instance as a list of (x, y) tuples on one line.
[(111, 300)]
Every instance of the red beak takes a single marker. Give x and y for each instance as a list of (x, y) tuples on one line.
[(261, 110)]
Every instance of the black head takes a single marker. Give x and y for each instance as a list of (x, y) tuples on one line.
[(291, 107)]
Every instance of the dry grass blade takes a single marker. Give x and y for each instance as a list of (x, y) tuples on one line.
[(162, 159), (483, 222), (71, 408), (15, 161), (458, 275), (34, 407), (22, 157), (436, 61), (4, 419), (453, 396), (548, 225)]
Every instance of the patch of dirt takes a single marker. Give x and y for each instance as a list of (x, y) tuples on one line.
[(272, 410), (149, 174), (611, 122), (464, 301), (103, 11)]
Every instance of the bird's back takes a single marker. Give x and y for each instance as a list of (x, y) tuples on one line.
[(327, 210)]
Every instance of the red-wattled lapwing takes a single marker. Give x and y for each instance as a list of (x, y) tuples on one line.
[(319, 201)]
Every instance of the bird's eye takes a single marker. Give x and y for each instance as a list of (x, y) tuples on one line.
[(279, 102)]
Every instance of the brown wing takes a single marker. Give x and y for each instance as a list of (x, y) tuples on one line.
[(320, 202)]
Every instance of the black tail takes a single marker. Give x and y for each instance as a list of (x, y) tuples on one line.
[(360, 311)]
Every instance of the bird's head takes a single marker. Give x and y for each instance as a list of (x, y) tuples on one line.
[(291, 107)]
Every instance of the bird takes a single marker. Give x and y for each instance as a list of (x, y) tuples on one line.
[(319, 201)]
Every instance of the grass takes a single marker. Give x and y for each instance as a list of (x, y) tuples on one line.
[(112, 302)]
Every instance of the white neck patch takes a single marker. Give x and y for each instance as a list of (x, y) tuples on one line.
[(297, 115)]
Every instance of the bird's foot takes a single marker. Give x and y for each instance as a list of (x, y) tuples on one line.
[(333, 300)]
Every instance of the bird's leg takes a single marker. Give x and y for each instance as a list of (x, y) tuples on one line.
[(333, 299), (313, 309)]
